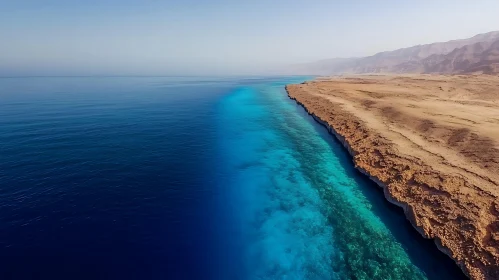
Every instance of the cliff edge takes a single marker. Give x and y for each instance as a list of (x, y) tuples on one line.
[(432, 143)]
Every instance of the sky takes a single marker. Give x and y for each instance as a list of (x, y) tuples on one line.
[(219, 37)]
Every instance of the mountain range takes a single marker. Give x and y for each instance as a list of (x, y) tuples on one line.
[(478, 54)]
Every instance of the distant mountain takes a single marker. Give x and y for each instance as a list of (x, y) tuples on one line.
[(447, 57), (479, 57)]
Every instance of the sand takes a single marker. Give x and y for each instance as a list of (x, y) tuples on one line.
[(432, 142)]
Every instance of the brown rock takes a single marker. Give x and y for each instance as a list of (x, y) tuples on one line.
[(432, 143)]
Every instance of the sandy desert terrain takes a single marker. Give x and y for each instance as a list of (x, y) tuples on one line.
[(432, 142)]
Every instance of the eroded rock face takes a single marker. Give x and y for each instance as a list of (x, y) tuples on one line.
[(444, 175)]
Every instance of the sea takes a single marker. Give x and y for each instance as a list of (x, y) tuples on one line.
[(189, 178)]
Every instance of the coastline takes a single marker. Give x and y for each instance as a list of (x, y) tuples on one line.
[(405, 207), (350, 130)]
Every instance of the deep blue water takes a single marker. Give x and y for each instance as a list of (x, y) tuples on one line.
[(188, 178)]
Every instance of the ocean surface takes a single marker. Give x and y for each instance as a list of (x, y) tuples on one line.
[(188, 178)]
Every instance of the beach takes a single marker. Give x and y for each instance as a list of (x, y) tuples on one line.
[(431, 141)]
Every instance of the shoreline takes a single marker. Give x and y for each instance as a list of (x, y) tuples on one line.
[(408, 212), (453, 241)]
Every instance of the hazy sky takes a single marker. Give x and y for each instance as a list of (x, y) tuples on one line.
[(143, 37)]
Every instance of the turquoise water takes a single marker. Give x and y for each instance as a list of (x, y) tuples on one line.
[(188, 178), (301, 211)]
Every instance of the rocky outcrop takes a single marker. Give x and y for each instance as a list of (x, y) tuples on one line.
[(463, 227)]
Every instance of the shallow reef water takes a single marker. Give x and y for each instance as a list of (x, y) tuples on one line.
[(303, 212)]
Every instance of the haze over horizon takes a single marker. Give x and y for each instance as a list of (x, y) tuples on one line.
[(219, 37)]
